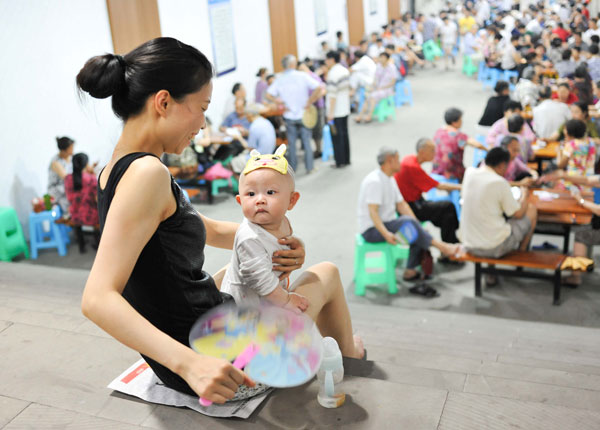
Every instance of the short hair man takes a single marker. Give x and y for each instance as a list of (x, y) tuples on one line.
[(379, 200), (292, 89), (338, 107), (549, 115), (413, 181), (487, 200)]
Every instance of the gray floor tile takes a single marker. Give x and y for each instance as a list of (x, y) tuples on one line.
[(370, 403), (60, 368), (534, 392), (548, 364), (10, 408), (472, 412), (37, 417), (542, 375)]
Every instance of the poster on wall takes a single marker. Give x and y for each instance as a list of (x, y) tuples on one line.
[(372, 7), (320, 16), (221, 32)]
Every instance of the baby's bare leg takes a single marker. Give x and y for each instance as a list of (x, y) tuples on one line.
[(322, 286)]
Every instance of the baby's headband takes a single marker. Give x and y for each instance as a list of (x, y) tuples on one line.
[(275, 161)]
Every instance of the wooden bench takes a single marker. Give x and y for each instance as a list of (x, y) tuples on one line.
[(520, 260)]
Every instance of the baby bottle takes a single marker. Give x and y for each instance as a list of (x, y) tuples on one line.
[(331, 373)]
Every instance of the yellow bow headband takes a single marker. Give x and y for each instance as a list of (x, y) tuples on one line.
[(275, 161)]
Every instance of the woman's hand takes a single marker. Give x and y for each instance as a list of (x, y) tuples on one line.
[(286, 261), (212, 378)]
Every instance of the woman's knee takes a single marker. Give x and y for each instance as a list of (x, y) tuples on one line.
[(327, 270)]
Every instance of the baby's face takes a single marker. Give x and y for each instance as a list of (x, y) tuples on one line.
[(266, 195)]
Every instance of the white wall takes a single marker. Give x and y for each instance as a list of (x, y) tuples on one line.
[(188, 21), (375, 21), (44, 45), (309, 44)]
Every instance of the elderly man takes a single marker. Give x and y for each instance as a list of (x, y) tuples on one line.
[(292, 89), (549, 115), (237, 119), (261, 136), (526, 90), (488, 200), (413, 181), (379, 200)]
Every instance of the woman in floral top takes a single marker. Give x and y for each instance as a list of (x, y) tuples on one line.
[(579, 153), (81, 189), (450, 144)]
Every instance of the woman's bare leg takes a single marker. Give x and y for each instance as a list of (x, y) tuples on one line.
[(322, 286), (218, 277)]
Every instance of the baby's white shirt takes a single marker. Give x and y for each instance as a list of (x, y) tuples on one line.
[(250, 273)]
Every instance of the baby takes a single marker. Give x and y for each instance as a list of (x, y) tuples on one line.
[(266, 193)]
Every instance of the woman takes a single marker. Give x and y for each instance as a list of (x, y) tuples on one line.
[(501, 128), (81, 189), (261, 85), (579, 111), (148, 290), (494, 110), (450, 144), (386, 75), (60, 166)]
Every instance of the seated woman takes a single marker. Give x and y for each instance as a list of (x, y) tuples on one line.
[(494, 110), (450, 144), (500, 129), (516, 128), (60, 166), (579, 111), (147, 286), (81, 190), (587, 235), (517, 172), (386, 75), (578, 155)]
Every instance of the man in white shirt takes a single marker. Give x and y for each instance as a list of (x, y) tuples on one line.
[(379, 200), (487, 201), (338, 107), (448, 37), (549, 115), (292, 88), (593, 30), (510, 56), (363, 71)]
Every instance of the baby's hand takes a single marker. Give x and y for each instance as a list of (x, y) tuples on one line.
[(297, 303)]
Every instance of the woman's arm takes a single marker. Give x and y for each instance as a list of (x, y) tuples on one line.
[(58, 169), (219, 234), (142, 200)]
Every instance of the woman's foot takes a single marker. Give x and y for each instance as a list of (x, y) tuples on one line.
[(572, 281), (411, 275), (358, 119), (359, 347)]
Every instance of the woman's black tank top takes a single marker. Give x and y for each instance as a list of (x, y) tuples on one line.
[(167, 286)]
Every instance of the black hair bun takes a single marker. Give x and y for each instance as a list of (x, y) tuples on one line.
[(102, 76)]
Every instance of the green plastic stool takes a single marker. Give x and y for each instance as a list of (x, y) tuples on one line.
[(469, 68), (385, 108), (386, 259), (217, 184), (431, 50), (12, 240)]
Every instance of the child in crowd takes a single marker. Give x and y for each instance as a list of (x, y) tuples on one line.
[(579, 153), (267, 192)]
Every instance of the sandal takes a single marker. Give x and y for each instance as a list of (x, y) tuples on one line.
[(570, 282), (424, 290)]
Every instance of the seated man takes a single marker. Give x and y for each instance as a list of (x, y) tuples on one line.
[(487, 201), (378, 201), (182, 166), (413, 181), (261, 136), (237, 119)]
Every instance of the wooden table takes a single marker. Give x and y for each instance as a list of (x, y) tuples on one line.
[(562, 211), (549, 152), (273, 110)]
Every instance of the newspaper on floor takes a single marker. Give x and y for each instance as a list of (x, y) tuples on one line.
[(140, 381)]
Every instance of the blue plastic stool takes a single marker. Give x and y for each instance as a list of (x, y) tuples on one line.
[(434, 195), (508, 75), (483, 71), (492, 77), (403, 93), (386, 259), (479, 154), (361, 99), (186, 195), (327, 146), (12, 240), (45, 233), (64, 228)]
